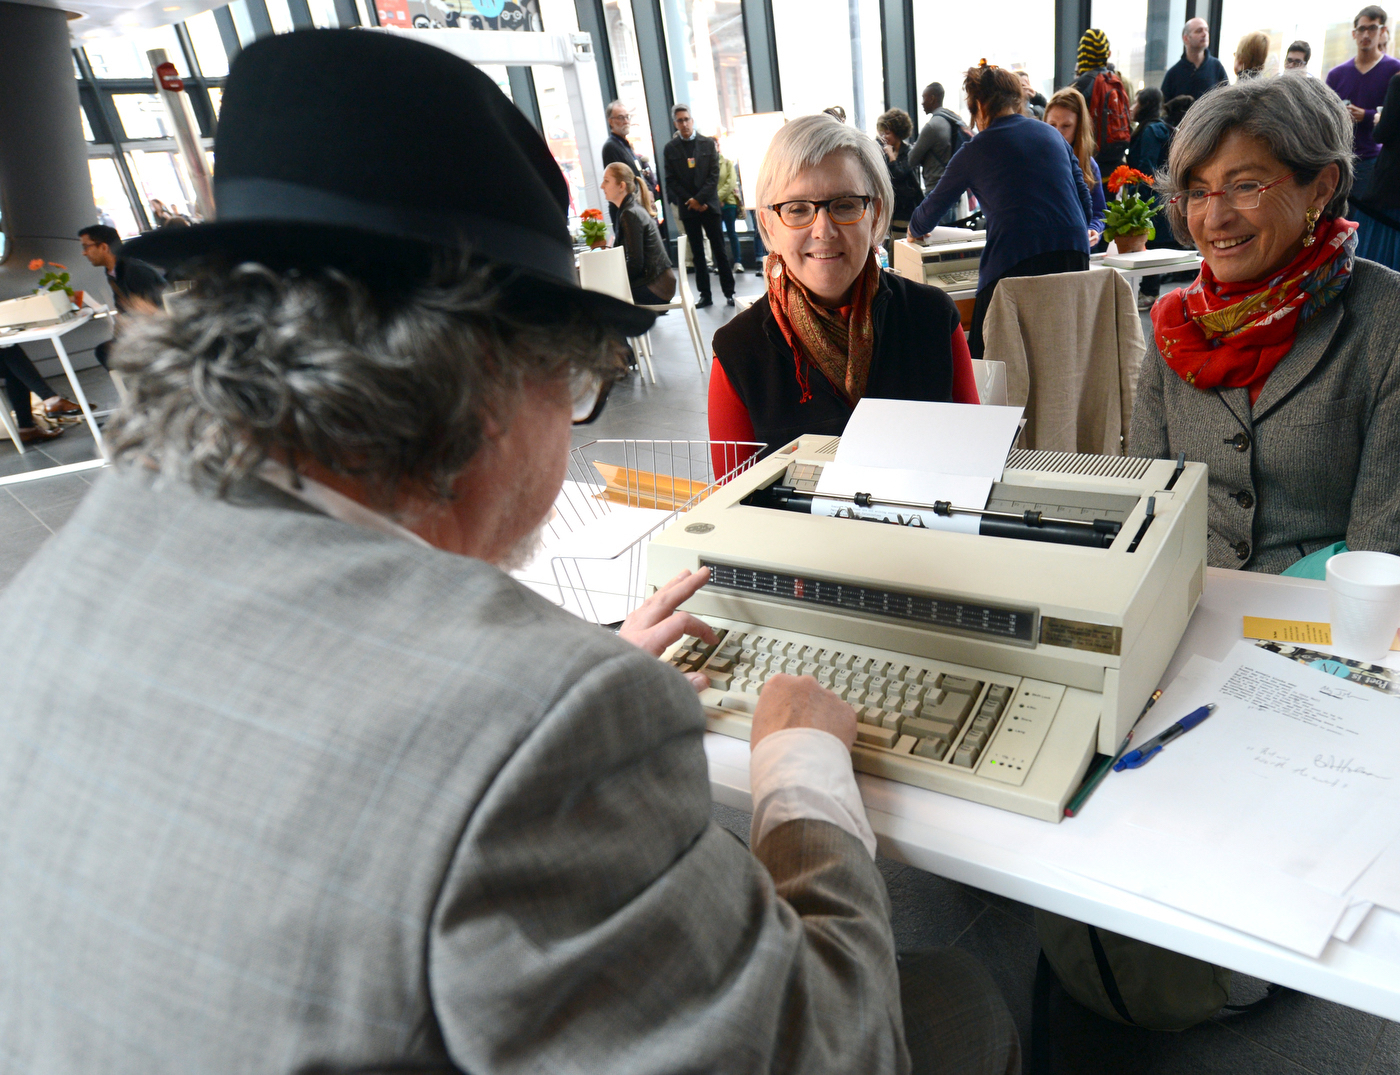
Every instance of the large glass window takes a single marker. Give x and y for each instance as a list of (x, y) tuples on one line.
[(1125, 23), (125, 56), (561, 17), (1326, 27), (820, 67), (280, 15), (709, 61), (143, 115), (159, 176), (208, 45), (109, 196), (558, 124), (622, 44), (950, 38)]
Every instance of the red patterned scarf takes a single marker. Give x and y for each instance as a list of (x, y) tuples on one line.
[(840, 347), (1233, 335)]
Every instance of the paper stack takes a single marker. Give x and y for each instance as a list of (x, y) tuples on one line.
[(1279, 816)]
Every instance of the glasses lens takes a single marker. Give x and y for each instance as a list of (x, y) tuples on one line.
[(587, 389), (798, 214), (847, 210)]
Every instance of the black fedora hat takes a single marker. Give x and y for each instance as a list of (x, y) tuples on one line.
[(377, 154)]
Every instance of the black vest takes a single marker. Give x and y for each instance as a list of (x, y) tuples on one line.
[(913, 359)]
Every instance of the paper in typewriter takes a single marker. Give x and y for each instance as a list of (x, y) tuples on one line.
[(918, 452)]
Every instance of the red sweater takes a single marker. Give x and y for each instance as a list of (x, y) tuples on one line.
[(729, 418)]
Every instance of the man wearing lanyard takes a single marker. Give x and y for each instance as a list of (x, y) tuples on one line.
[(692, 184)]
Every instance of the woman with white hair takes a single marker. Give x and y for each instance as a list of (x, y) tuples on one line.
[(1277, 367), (832, 327)]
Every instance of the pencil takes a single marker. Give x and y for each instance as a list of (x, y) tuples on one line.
[(1094, 779)]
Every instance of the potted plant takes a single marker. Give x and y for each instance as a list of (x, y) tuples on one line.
[(595, 232), (56, 281), (1130, 213)]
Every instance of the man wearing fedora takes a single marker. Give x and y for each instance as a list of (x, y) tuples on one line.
[(326, 789)]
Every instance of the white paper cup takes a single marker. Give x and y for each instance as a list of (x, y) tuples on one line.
[(1363, 590)]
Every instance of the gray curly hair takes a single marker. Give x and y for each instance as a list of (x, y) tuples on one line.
[(1301, 120), (394, 389)]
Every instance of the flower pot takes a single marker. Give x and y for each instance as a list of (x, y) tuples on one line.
[(78, 299), (597, 244), (1131, 244)]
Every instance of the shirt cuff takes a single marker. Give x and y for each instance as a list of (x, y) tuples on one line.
[(805, 773)]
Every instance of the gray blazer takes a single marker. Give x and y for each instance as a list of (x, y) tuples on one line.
[(1317, 459), (278, 790)]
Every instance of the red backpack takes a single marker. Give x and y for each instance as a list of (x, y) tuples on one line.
[(1108, 104)]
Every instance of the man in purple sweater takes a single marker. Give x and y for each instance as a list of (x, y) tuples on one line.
[(1362, 83)]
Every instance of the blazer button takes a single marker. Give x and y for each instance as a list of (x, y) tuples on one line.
[(1242, 550), (1244, 499), (1240, 441)]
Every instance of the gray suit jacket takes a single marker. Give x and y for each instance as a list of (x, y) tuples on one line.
[(1317, 458), (278, 790)]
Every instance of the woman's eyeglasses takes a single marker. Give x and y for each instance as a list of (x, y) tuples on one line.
[(1242, 195), (845, 210), (589, 391)]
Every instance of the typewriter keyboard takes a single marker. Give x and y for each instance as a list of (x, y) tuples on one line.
[(920, 721)]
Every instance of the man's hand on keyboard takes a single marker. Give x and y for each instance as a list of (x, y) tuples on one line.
[(656, 624), (801, 702)]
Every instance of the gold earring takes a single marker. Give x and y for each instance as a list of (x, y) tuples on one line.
[(1310, 218)]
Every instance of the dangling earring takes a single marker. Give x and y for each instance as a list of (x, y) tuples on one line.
[(1310, 217)]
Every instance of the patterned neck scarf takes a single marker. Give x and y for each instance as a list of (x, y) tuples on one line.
[(1233, 335), (840, 347)]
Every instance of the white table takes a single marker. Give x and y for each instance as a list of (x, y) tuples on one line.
[(54, 334), (1000, 852)]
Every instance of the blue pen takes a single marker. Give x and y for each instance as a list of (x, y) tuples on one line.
[(1140, 756)]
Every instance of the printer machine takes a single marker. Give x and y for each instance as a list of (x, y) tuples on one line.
[(988, 665), (947, 258)]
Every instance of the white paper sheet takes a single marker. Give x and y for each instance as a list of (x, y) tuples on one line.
[(938, 438), (1263, 816), (916, 487), (1351, 921), (1380, 884)]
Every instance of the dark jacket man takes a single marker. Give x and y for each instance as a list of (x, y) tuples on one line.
[(1186, 77), (692, 171)]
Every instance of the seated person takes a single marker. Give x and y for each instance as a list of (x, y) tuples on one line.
[(1277, 366), (1028, 183), (21, 378), (832, 327), (649, 269), (325, 788), (136, 287)]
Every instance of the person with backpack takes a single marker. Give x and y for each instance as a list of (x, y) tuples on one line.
[(1109, 106), (943, 135), (1030, 187)]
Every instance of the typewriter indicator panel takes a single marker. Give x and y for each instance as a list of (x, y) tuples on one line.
[(1016, 625)]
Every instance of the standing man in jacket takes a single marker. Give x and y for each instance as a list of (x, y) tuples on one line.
[(941, 137), (1197, 72), (618, 150), (692, 184)]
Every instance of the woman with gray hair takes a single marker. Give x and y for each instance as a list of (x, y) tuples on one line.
[(832, 327), (1277, 366)]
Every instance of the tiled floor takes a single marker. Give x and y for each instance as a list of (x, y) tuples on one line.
[(1294, 1034)]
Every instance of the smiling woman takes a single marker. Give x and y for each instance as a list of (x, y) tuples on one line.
[(1276, 366), (832, 327)]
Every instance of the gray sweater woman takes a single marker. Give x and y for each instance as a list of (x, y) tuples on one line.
[(1317, 459)]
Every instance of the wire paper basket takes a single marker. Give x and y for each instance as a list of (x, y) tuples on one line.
[(617, 494)]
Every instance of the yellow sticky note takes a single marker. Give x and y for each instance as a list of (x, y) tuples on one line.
[(1297, 631), (1301, 632)]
